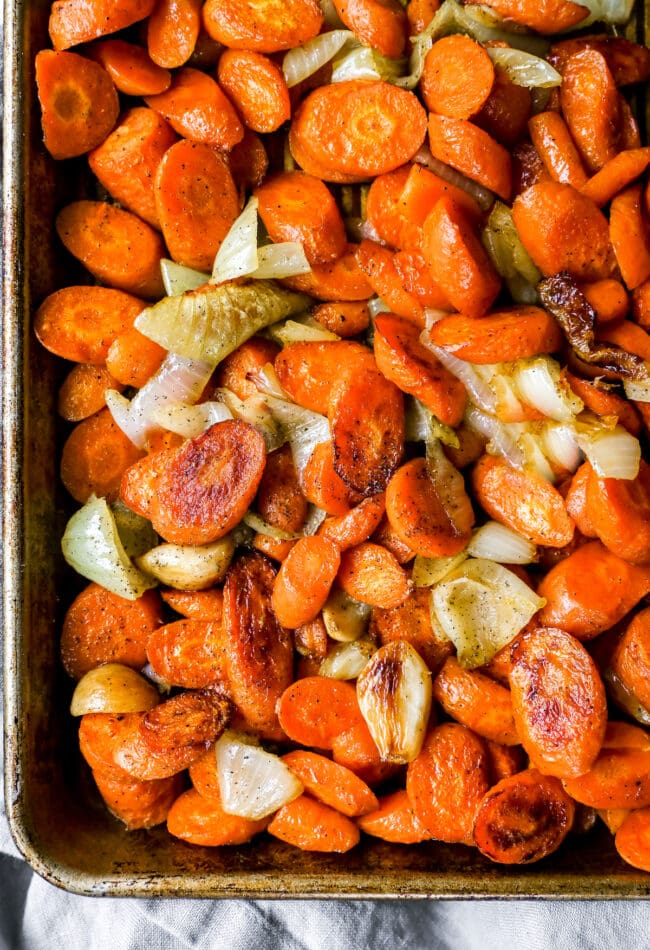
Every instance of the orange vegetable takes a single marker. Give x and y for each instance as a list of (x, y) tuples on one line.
[(280, 501), (189, 653), (502, 335), (272, 26), (137, 803), (304, 580), (558, 700), (355, 748), (619, 172), (604, 402), (551, 137), (356, 525), (633, 839), (198, 604), (394, 820), (457, 77), (417, 279), (590, 104), (83, 391), (256, 87), (619, 778), (196, 108), (130, 68), (476, 701), (248, 161), (79, 102), (95, 456), (237, 369), (138, 481), (523, 818), (547, 16), (346, 318), (378, 263), (172, 31), (323, 486), (628, 233), (471, 151), (133, 358), (314, 711), (630, 660), (332, 784), (100, 627), (312, 826), (203, 821), (371, 574), (341, 279), (411, 621), (608, 298), (506, 111), (420, 13), (77, 21), (628, 62), (114, 245), (618, 511), (380, 24)]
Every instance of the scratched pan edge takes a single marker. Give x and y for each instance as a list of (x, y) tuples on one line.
[(55, 815)]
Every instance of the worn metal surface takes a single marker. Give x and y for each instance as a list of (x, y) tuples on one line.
[(56, 816)]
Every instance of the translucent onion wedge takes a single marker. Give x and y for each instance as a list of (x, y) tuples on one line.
[(263, 527), (498, 377), (428, 571), (503, 244), (530, 444), (253, 783), (285, 259), (496, 542), (303, 428), (300, 331), (541, 384), (177, 278), (113, 688), (394, 693), (189, 421), (423, 426), (211, 324), (478, 390), (363, 62), (345, 618), (237, 254), (315, 517), (560, 446), (303, 61), (613, 453), (481, 607), (346, 661), (91, 545), (254, 411), (524, 69), (502, 440), (177, 380), (188, 567), (135, 532), (331, 18), (607, 11)]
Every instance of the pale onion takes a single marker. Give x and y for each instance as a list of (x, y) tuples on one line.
[(422, 426), (625, 698), (541, 385), (478, 390), (481, 195), (253, 783), (263, 527), (301, 331), (113, 688), (560, 446), (303, 61), (346, 661), (507, 404), (189, 421), (637, 389), (524, 69), (284, 259), (177, 278), (613, 453), (376, 305), (135, 532), (331, 19), (209, 325), (607, 11), (363, 62), (394, 693), (315, 517), (497, 542), (268, 383), (189, 567), (530, 444), (504, 246), (345, 618), (481, 607), (303, 428), (428, 571), (237, 254), (521, 290), (502, 438), (177, 380), (254, 411), (92, 546), (161, 684)]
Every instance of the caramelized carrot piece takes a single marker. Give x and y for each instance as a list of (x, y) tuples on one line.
[(133, 358), (457, 77), (356, 750), (420, 13), (447, 781), (605, 403), (196, 201), (304, 580), (619, 513), (237, 370), (422, 189), (310, 640), (429, 509), (196, 108), (527, 168), (633, 839), (590, 591), (280, 500), (378, 127), (100, 627), (341, 279), (411, 621), (114, 245), (206, 488), (458, 261), (315, 710), (505, 760), (137, 803), (608, 298), (547, 16), (476, 701), (298, 207), (256, 87), (628, 233), (590, 104), (641, 304), (551, 137), (126, 161), (323, 486), (76, 21), (332, 784), (630, 661), (80, 323), (130, 68), (564, 230), (387, 537), (371, 574), (502, 335), (346, 318), (506, 111), (189, 653), (83, 391), (380, 24), (79, 102), (378, 264), (524, 818), (366, 415), (172, 31), (619, 172), (95, 456), (138, 480), (628, 62), (558, 700), (619, 778), (384, 213), (248, 161), (197, 604), (471, 151), (522, 500), (203, 821), (355, 525), (312, 826), (394, 820), (272, 26), (417, 279)]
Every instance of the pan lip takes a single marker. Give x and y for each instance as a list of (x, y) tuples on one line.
[(365, 883)]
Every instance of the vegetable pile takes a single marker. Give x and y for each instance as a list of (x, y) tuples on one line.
[(358, 410)]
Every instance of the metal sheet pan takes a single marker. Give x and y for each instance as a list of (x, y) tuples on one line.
[(55, 814)]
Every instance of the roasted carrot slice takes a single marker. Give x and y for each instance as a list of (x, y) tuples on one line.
[(259, 656), (411, 621), (502, 335), (323, 486), (380, 24), (505, 760), (312, 826), (590, 104), (619, 513), (417, 279), (604, 402), (308, 370), (203, 821), (189, 653), (137, 803), (628, 62), (95, 456), (256, 87), (547, 16), (619, 778), (447, 781), (248, 161), (279, 498), (341, 279), (315, 710), (346, 318), (133, 358), (138, 481), (356, 750), (633, 839), (371, 574), (628, 232), (420, 13), (172, 31), (304, 580), (76, 21), (237, 370), (506, 111), (355, 525), (630, 661), (272, 26), (378, 263), (196, 108), (551, 137), (457, 77), (619, 172), (332, 784), (476, 701), (558, 700), (206, 488), (83, 391), (471, 151), (130, 68), (100, 627), (394, 820), (198, 604), (79, 102), (608, 298), (524, 818)]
